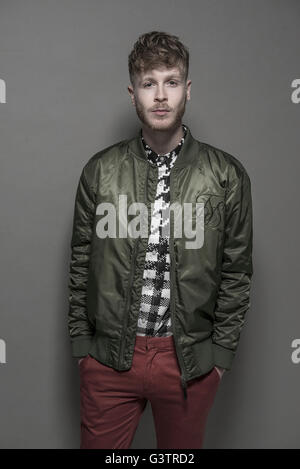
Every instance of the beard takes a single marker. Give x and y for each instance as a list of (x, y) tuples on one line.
[(170, 122)]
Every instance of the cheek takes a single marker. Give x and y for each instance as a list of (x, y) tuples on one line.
[(177, 98), (145, 101)]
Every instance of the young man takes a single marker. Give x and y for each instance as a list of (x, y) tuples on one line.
[(154, 315)]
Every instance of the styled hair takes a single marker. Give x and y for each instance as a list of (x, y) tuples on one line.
[(157, 48)]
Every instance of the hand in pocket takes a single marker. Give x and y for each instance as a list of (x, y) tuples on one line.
[(81, 359), (220, 371)]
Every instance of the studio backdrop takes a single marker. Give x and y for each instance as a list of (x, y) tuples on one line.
[(63, 97)]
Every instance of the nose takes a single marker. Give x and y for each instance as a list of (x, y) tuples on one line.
[(160, 94)]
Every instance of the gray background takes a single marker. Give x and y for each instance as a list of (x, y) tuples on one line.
[(65, 68)]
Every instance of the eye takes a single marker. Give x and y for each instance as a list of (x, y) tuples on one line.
[(146, 85), (173, 82)]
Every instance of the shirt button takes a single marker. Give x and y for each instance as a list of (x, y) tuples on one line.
[(161, 159)]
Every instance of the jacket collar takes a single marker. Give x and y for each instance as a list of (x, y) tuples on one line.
[(185, 157)]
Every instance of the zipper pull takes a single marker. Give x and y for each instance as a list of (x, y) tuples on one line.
[(184, 386)]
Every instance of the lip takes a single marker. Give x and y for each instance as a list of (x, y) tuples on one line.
[(161, 112)]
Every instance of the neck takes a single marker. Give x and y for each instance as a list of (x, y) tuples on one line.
[(162, 142)]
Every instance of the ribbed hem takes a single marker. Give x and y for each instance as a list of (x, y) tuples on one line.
[(81, 345), (223, 357)]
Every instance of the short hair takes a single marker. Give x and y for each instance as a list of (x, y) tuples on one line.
[(157, 48)]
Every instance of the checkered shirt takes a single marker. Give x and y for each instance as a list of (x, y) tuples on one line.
[(154, 315)]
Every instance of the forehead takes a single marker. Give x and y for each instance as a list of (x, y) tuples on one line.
[(161, 72)]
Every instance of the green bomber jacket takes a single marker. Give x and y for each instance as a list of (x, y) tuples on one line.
[(210, 277)]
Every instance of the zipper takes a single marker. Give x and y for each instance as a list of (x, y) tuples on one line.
[(172, 308), (146, 184), (128, 298)]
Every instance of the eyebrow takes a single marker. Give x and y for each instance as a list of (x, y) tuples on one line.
[(167, 77)]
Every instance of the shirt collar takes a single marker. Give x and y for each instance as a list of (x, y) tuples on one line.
[(154, 157)]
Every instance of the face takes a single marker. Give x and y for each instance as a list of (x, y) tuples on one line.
[(160, 88)]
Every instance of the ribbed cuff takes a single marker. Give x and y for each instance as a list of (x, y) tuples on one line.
[(223, 356), (81, 345)]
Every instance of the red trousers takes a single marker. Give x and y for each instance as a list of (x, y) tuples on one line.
[(112, 402)]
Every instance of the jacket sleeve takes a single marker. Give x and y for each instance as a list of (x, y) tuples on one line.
[(80, 328), (233, 300)]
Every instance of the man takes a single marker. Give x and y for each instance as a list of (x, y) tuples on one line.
[(153, 315)]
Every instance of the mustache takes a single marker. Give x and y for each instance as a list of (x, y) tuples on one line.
[(161, 109)]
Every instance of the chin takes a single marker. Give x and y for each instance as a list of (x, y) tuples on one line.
[(163, 124)]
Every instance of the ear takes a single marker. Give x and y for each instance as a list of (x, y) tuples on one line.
[(131, 92), (188, 85)]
